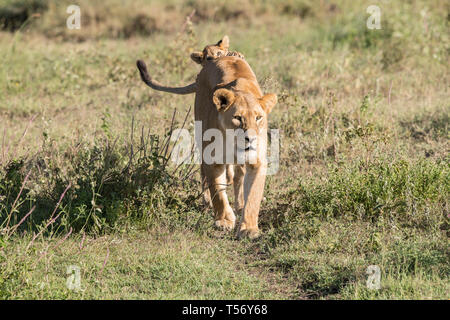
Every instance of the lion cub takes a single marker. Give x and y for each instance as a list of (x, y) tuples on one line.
[(214, 51)]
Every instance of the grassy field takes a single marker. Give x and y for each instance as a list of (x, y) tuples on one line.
[(86, 180)]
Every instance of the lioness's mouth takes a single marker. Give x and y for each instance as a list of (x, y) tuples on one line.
[(250, 147)]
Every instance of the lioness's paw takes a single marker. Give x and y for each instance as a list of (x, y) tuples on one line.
[(251, 233), (225, 224)]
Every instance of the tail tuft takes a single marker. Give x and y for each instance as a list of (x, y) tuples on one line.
[(143, 71)]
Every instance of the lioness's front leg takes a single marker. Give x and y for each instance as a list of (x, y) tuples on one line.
[(205, 188), (255, 177), (238, 186), (224, 215)]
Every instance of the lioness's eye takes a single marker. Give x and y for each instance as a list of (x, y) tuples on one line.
[(258, 118), (238, 118)]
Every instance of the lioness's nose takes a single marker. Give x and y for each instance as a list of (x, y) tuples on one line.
[(250, 140)]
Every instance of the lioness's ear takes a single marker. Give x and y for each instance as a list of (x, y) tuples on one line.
[(224, 43), (223, 99), (268, 101), (197, 57)]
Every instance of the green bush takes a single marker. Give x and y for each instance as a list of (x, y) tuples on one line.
[(104, 182), (411, 194), (399, 189)]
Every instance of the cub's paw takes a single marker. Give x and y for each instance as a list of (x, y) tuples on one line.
[(225, 224), (251, 233)]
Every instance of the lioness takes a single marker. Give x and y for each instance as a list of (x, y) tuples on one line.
[(228, 96), (214, 51)]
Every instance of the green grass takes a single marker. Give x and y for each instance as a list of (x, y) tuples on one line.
[(132, 265), (364, 166)]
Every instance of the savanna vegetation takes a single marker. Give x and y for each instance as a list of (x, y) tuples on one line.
[(86, 178)]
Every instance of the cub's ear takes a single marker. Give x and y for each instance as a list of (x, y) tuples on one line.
[(268, 101), (223, 99), (224, 43), (197, 57)]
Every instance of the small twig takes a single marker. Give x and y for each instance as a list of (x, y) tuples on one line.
[(3, 146), (15, 201), (23, 134), (165, 147), (131, 141), (56, 246), (389, 94), (179, 133), (142, 146), (82, 241), (63, 239), (104, 263), (52, 220), (187, 20), (14, 228)]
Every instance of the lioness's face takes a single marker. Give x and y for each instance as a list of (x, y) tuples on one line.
[(247, 118), (244, 114)]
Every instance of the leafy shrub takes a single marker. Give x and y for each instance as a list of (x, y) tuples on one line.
[(398, 189), (325, 232), (412, 194), (104, 182)]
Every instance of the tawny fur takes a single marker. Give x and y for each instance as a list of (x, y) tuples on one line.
[(227, 90), (215, 51)]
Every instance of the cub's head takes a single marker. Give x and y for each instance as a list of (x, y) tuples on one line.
[(240, 110), (212, 51)]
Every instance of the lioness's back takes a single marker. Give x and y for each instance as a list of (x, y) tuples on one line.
[(229, 70), (238, 67)]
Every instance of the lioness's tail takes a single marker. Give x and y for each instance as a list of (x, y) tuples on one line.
[(157, 86)]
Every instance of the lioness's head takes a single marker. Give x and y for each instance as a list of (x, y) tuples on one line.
[(212, 51), (241, 110)]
